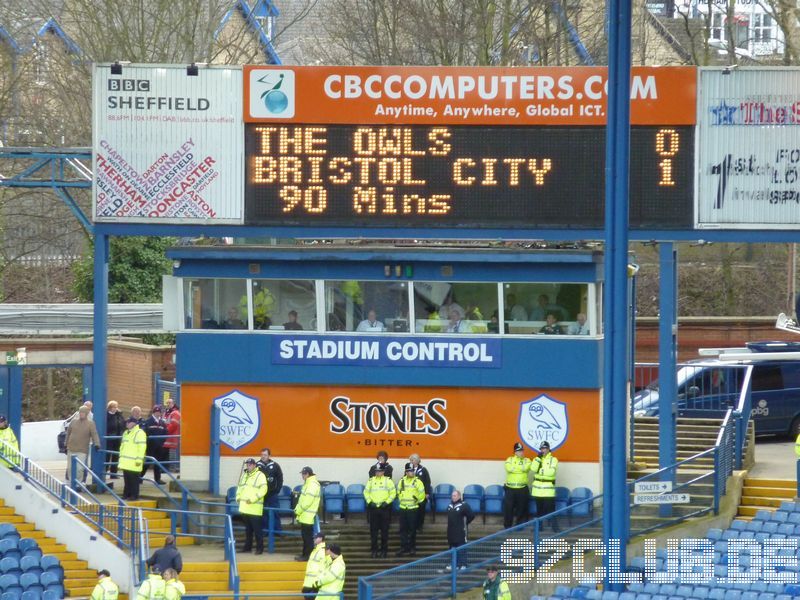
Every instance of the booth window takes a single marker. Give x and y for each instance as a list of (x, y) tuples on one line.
[(549, 308), (441, 307), (215, 303), (280, 305), (366, 306)]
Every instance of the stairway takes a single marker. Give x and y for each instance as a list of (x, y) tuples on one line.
[(761, 494), (79, 579), (693, 436)]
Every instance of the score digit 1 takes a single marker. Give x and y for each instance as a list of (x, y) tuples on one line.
[(667, 145)]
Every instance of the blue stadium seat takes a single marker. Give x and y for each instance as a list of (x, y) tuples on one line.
[(766, 596), (14, 596), (30, 564), (562, 590), (716, 594), (658, 597), (441, 497), (34, 552), (748, 535), (755, 526), (610, 596), (579, 592), (667, 589), (729, 533), (783, 597), (586, 509), (700, 592), (473, 496), (732, 595), (26, 544), (354, 497), (52, 583), (775, 588), (29, 581), (593, 595), (794, 518), (789, 506), (684, 590), (771, 527), (651, 588), (10, 583), (749, 595), (786, 528), (31, 594), (636, 587), (9, 532), (52, 594), (493, 500), (562, 497), (761, 536), (627, 596), (333, 499), (738, 525), (758, 586), (532, 512), (720, 571), (792, 590), (10, 565), (538, 598), (642, 596), (762, 515), (285, 498), (781, 516), (714, 534), (51, 564)]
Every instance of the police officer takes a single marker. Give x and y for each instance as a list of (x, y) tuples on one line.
[(250, 496), (515, 500), (544, 468), (8, 444), (411, 493), (379, 494), (495, 588), (132, 449), (317, 563), (423, 474), (331, 580), (173, 587), (272, 471), (153, 587), (105, 589), (797, 442), (306, 510)]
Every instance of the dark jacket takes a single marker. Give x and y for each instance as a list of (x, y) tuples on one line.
[(459, 515), (272, 471), (154, 427), (167, 557), (423, 474), (387, 470), (115, 425)]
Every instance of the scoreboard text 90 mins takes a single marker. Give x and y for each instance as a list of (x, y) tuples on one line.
[(457, 176)]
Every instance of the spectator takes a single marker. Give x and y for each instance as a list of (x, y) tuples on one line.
[(383, 461), (233, 321), (514, 310), (168, 557), (272, 471), (449, 302), (136, 413), (459, 516), (371, 324), (425, 477), (250, 496), (88, 404), (292, 324), (306, 510), (580, 326), (105, 589), (131, 457), (493, 326), (80, 433), (317, 563), (539, 313), (115, 427), (173, 587), (456, 323), (551, 327), (8, 443), (495, 588), (156, 429), (173, 417)]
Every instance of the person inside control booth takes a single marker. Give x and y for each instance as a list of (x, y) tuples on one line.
[(371, 323)]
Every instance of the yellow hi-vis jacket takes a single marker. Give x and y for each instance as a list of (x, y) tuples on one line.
[(797, 446), (411, 492), (251, 491), (308, 503), (316, 565), (105, 589), (331, 580), (132, 449), (544, 476), (380, 491), (152, 588), (517, 471), (174, 590), (10, 448)]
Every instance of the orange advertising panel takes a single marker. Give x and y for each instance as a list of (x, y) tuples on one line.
[(447, 423), (462, 95)]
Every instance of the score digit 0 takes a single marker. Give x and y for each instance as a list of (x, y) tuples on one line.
[(668, 143)]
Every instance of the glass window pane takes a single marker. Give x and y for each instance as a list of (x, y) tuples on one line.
[(284, 305), (215, 303), (366, 306), (442, 307), (548, 308)]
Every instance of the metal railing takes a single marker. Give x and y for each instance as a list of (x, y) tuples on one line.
[(248, 595), (448, 573), (123, 525)]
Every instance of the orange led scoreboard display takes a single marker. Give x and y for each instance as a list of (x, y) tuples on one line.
[(473, 148)]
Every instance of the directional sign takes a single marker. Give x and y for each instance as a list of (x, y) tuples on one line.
[(661, 499), (652, 487)]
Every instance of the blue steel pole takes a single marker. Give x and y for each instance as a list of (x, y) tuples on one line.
[(100, 346), (214, 453), (615, 491), (667, 363)]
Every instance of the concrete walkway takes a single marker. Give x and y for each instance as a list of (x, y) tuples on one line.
[(775, 459)]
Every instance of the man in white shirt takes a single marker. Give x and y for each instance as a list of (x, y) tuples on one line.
[(371, 324), (456, 324), (516, 312), (580, 326)]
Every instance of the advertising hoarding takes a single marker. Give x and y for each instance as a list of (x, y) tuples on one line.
[(167, 145), (749, 149)]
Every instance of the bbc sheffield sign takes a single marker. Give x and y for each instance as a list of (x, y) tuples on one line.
[(168, 146)]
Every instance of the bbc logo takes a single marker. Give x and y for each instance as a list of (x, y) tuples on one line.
[(128, 85)]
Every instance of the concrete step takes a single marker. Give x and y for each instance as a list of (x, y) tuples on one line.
[(772, 483), (768, 492)]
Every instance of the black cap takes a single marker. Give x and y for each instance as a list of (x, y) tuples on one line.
[(319, 535), (493, 568), (335, 548), (250, 461), (380, 467), (155, 569), (307, 470), (157, 408), (544, 444), (410, 466), (131, 420), (103, 573), (3, 418), (517, 447)]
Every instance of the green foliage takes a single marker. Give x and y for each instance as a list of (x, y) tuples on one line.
[(135, 267)]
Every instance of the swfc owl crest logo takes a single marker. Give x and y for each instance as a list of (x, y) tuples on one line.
[(239, 419), (543, 419)]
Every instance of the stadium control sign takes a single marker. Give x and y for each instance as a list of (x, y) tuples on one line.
[(749, 150), (167, 145), (447, 147)]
